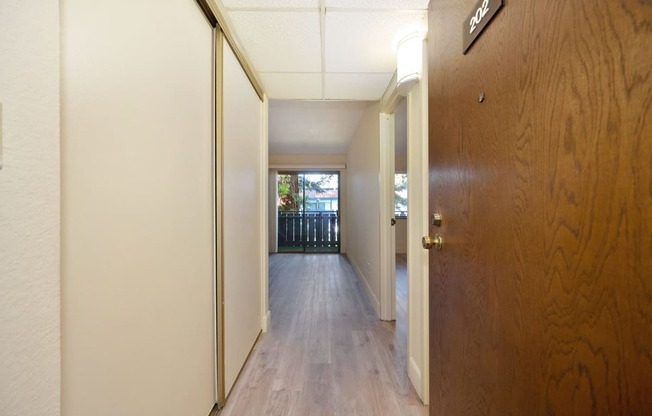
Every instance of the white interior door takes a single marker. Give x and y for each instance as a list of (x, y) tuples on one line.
[(387, 220)]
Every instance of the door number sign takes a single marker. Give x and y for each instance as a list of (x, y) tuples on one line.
[(479, 18)]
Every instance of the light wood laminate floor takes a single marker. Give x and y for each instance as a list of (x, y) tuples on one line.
[(326, 353)]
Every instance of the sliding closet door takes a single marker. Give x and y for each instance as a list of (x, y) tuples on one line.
[(137, 208), (242, 129)]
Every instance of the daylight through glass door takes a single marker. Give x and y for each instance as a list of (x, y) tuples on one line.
[(308, 212)]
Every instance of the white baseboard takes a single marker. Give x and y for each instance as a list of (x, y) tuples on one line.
[(266, 321), (414, 374), (375, 303)]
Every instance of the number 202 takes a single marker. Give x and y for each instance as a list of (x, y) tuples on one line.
[(479, 14)]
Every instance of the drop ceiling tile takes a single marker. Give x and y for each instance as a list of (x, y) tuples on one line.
[(290, 86), (366, 42), (280, 41), (380, 4), (356, 86), (270, 4)]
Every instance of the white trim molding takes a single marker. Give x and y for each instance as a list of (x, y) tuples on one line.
[(418, 296), (418, 192), (307, 167)]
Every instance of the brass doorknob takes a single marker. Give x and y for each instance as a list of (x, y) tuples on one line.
[(432, 242)]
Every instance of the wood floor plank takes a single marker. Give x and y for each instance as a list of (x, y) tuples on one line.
[(326, 352)]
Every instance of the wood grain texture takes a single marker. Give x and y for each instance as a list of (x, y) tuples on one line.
[(541, 302), (326, 353)]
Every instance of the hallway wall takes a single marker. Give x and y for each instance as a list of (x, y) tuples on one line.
[(137, 209), (400, 163), (400, 230), (29, 208), (363, 203)]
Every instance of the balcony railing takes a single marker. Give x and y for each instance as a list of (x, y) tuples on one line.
[(308, 229)]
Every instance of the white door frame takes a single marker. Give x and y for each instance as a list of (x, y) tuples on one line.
[(417, 225)]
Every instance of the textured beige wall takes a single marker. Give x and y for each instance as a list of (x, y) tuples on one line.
[(29, 208), (243, 118), (363, 203), (400, 163), (137, 268), (400, 230)]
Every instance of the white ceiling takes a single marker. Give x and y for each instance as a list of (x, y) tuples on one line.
[(313, 127), (341, 50)]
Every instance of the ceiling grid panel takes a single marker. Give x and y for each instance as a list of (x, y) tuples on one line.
[(365, 86), (379, 4), (280, 41), (321, 63), (271, 4), (292, 85), (366, 42)]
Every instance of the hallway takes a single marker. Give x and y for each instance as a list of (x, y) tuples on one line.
[(326, 353)]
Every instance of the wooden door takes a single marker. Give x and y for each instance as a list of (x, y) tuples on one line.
[(541, 300)]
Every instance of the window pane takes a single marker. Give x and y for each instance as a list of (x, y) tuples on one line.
[(400, 194)]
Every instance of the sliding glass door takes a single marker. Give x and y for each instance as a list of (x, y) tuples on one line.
[(308, 212)]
